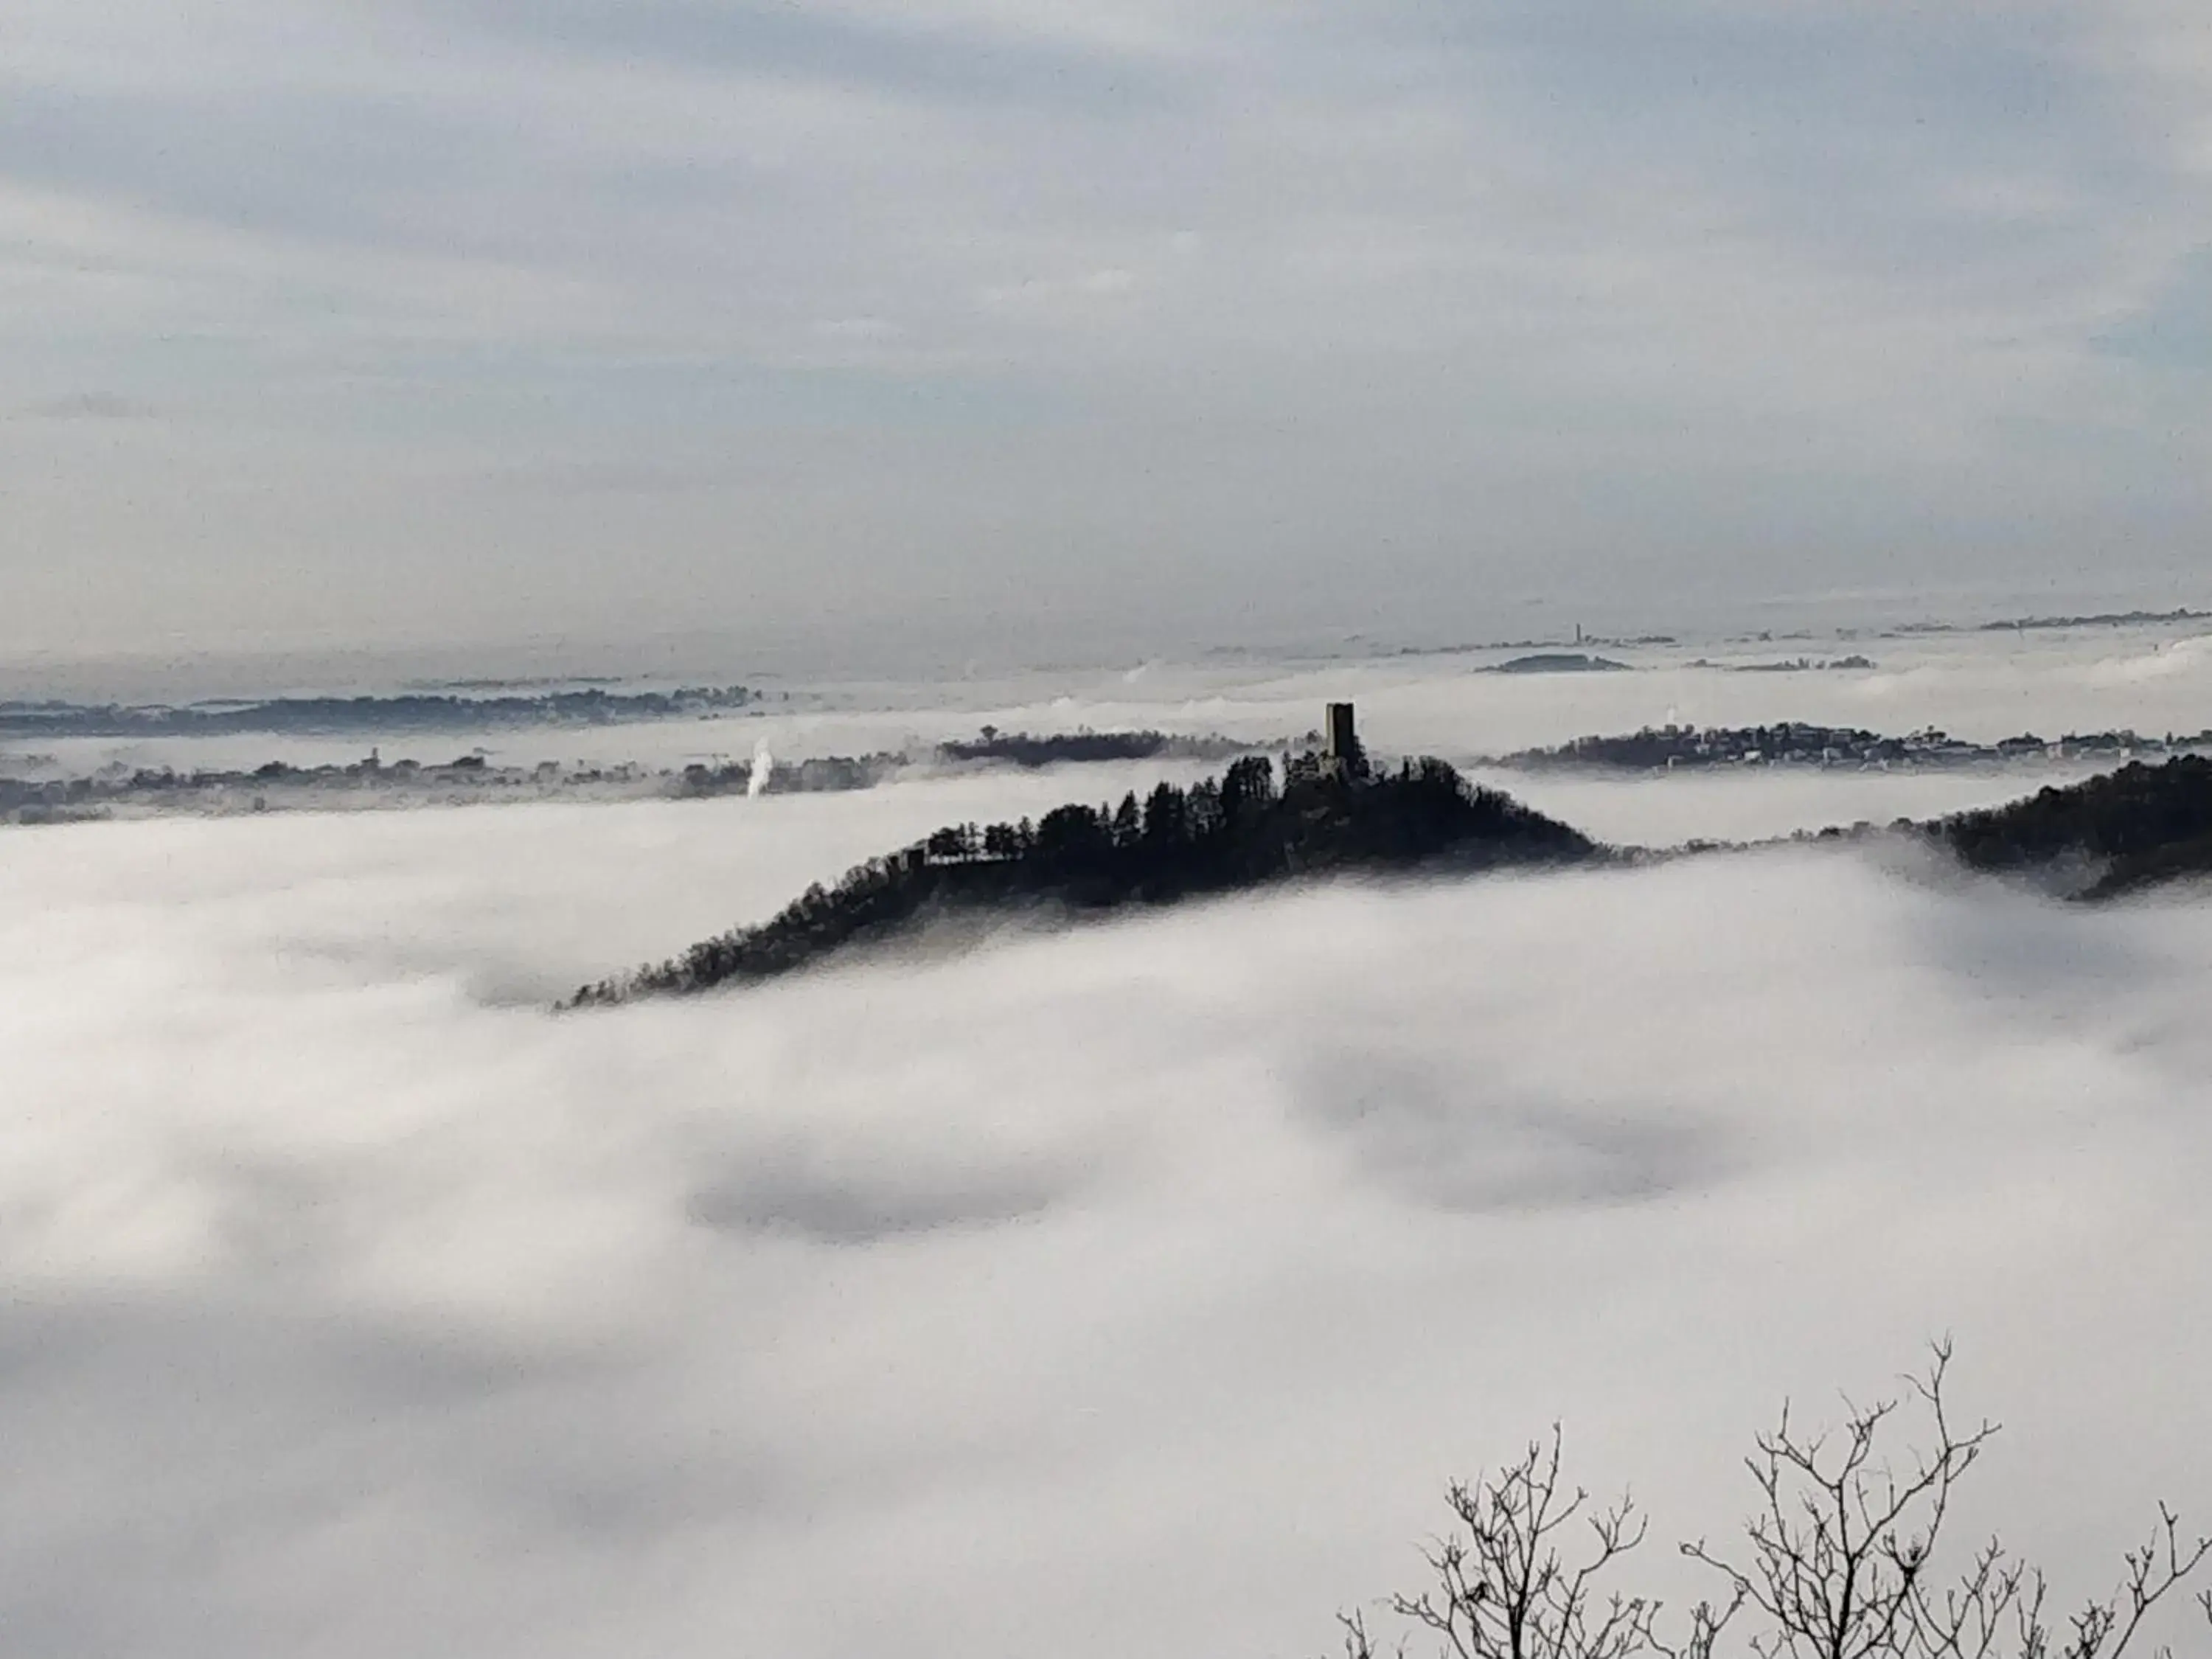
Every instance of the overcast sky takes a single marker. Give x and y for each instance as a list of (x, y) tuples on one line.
[(995, 321)]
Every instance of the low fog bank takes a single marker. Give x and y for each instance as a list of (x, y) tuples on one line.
[(535, 898), (1977, 686), (1766, 803), (1132, 1290)]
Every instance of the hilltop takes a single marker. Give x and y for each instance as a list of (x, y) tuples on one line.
[(1332, 814), (2117, 832)]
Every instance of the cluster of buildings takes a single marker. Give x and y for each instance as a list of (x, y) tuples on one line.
[(1796, 743)]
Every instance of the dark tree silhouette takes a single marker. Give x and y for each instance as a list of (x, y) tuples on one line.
[(1083, 748), (1221, 836), (2138, 825), (1501, 1588), (1843, 1558)]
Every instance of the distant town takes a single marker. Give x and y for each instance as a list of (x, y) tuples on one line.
[(1676, 748), (372, 782)]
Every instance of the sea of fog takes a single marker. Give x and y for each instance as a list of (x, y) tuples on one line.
[(1133, 1290)]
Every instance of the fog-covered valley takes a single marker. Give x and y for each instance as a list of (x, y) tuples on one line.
[(1130, 1289), (944, 828), (1976, 685)]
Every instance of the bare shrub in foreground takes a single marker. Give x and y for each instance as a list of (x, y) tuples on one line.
[(1839, 1561)]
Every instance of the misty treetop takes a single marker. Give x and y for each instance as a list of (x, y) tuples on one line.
[(1239, 830), (2119, 832), (2135, 827)]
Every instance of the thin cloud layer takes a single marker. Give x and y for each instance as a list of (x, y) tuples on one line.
[(1130, 1290)]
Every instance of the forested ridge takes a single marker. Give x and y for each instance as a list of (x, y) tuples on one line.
[(2135, 827), (2128, 829), (1237, 831)]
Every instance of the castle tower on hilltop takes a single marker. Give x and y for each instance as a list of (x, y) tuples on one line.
[(1340, 739)]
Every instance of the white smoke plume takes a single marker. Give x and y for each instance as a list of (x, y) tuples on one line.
[(763, 768)]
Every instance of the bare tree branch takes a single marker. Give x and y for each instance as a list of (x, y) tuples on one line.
[(1839, 1560)]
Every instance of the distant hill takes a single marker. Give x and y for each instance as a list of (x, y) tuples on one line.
[(1561, 662), (1796, 743), (2114, 834), (1229, 833), (1086, 747), (2135, 827), (413, 712)]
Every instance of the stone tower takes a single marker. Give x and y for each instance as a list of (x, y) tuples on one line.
[(1341, 736)]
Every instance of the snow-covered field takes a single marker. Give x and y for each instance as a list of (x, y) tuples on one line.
[(1129, 1292)]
